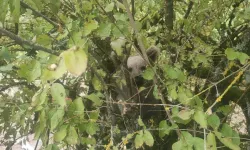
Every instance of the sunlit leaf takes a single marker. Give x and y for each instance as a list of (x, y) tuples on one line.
[(30, 71), (75, 60), (231, 54), (72, 136), (185, 114), (4, 9), (198, 143), (56, 118), (97, 84), (227, 141), (138, 140), (140, 122), (214, 121), (164, 128), (91, 141), (95, 98), (117, 45), (148, 138), (104, 30), (44, 40), (109, 7), (201, 118), (148, 74), (58, 94), (40, 96), (91, 128), (15, 10), (61, 133), (211, 142), (243, 58), (89, 27), (79, 107)]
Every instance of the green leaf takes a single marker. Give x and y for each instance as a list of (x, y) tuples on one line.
[(4, 9), (231, 54), (226, 141), (156, 92), (91, 141), (164, 128), (117, 45), (198, 143), (58, 94), (79, 107), (140, 122), (95, 98), (72, 136), (211, 142), (172, 91), (94, 115), (180, 75), (61, 133), (77, 39), (183, 96), (41, 126), (201, 118), (91, 128), (226, 130), (187, 138), (148, 138), (171, 72), (243, 58), (185, 114), (214, 121), (54, 6), (225, 109), (53, 73), (109, 7), (97, 83), (120, 16), (148, 74), (236, 137), (30, 71), (15, 10), (56, 118), (44, 40), (75, 60), (40, 96), (87, 5), (89, 27), (138, 140), (179, 145), (104, 30)]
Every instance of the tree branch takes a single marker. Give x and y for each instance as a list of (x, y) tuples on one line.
[(36, 13), (25, 43), (136, 31)]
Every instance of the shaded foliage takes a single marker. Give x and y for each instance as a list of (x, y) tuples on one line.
[(66, 63)]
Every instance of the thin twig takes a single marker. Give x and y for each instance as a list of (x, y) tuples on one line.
[(36, 13), (136, 31), (25, 43)]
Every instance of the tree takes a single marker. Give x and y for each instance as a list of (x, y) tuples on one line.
[(49, 50)]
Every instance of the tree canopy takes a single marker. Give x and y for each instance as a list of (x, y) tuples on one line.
[(63, 66)]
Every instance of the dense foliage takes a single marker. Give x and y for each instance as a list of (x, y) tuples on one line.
[(63, 67)]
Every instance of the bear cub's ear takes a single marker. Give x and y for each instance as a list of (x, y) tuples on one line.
[(153, 53)]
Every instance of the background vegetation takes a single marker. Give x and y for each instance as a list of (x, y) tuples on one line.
[(63, 61)]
